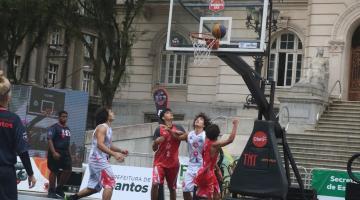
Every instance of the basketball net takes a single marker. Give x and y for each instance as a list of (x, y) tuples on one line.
[(47, 112), (203, 43)]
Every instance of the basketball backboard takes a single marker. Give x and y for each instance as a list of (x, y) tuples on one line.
[(45, 102), (199, 16)]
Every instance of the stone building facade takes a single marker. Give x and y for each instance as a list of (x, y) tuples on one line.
[(304, 27)]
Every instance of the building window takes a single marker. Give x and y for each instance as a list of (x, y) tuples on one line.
[(90, 41), (52, 74), (173, 66), (152, 117), (16, 62), (286, 58), (173, 69), (86, 81), (85, 8), (55, 37)]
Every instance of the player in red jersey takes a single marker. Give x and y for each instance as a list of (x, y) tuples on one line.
[(166, 158), (205, 180)]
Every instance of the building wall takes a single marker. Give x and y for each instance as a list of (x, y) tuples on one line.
[(327, 24), (214, 88)]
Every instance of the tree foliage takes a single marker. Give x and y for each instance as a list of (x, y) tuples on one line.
[(23, 22), (110, 21), (115, 35)]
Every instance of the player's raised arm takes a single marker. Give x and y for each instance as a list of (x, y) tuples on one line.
[(178, 134), (230, 139)]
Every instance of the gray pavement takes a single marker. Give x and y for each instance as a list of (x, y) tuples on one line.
[(38, 196)]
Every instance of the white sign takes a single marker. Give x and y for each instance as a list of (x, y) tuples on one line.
[(184, 162), (320, 197), (131, 182)]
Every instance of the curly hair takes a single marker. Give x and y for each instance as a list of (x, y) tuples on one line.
[(207, 120), (212, 131), (102, 115)]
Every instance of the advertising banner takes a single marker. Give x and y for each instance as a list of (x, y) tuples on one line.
[(184, 161), (131, 182), (330, 184), (41, 174), (38, 109)]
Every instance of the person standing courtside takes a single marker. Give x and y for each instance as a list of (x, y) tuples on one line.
[(13, 141), (59, 156)]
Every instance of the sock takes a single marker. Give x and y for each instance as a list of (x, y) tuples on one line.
[(60, 187)]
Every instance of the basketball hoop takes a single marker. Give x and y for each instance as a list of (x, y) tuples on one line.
[(203, 43), (47, 112)]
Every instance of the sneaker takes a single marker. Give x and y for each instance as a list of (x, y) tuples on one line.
[(53, 195), (59, 191), (71, 197)]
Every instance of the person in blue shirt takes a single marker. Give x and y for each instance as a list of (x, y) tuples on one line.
[(13, 142), (59, 156)]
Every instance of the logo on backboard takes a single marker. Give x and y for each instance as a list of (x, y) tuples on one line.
[(259, 139), (216, 5), (249, 159)]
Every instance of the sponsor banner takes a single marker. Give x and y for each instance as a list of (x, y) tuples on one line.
[(38, 109), (330, 184), (41, 174), (131, 182)]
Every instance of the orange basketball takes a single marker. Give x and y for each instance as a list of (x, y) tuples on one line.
[(218, 31)]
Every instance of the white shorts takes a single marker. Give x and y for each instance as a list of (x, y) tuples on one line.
[(188, 184), (100, 177)]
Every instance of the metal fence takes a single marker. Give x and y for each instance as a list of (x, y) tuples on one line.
[(136, 159)]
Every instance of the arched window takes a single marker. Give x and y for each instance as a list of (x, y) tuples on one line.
[(173, 66), (286, 58)]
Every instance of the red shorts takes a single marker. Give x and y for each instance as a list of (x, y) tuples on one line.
[(207, 184), (170, 174)]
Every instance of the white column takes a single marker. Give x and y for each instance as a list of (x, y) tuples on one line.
[(70, 65), (336, 67), (33, 66)]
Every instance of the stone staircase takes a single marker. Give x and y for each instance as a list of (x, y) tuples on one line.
[(335, 138)]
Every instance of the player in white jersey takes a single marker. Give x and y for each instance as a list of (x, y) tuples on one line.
[(195, 140), (101, 175)]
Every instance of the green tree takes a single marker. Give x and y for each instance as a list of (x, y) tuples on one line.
[(23, 22), (115, 35)]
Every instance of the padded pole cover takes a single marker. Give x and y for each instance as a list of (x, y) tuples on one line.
[(260, 171)]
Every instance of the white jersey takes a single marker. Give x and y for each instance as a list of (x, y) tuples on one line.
[(101, 174), (195, 146), (96, 155)]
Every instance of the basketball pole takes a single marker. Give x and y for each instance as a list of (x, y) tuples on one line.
[(251, 80)]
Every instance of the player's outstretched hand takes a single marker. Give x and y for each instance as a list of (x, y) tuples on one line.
[(125, 152), (32, 181), (235, 122), (119, 157)]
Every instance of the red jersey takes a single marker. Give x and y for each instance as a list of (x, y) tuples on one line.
[(205, 179), (167, 154)]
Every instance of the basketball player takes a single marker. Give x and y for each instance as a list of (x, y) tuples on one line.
[(195, 140), (101, 175), (206, 180), (13, 142), (166, 158)]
